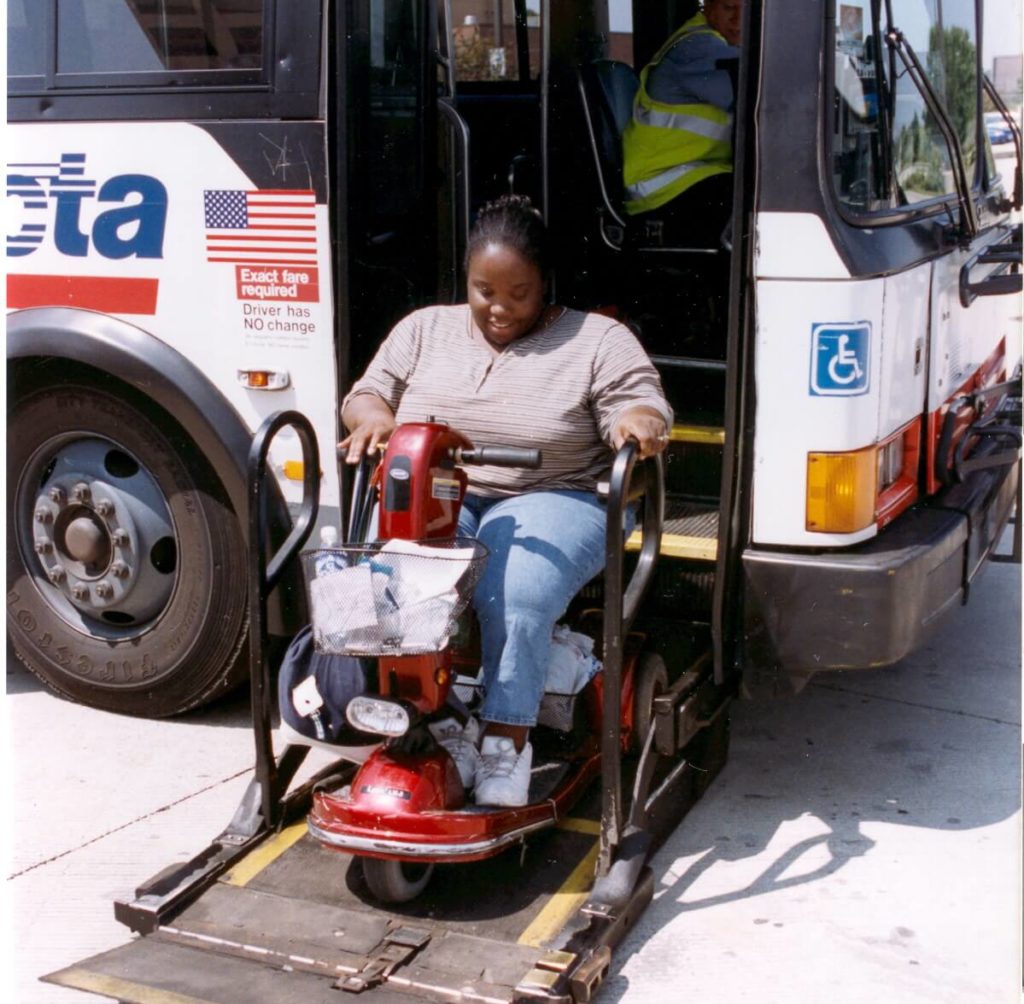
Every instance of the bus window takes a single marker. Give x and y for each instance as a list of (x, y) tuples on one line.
[(857, 154), (867, 135), (26, 41), (947, 51), (140, 35), (487, 38)]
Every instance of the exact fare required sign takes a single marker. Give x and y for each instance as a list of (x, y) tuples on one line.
[(293, 283)]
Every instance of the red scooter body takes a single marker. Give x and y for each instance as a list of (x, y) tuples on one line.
[(411, 806)]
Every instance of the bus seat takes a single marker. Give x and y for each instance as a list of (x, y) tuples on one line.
[(607, 88)]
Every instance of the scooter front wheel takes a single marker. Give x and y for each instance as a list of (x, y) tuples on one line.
[(396, 881)]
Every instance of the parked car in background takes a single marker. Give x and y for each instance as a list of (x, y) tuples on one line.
[(999, 134)]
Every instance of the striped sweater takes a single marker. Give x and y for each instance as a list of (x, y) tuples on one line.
[(560, 389)]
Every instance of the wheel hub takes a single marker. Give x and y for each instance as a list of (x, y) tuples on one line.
[(84, 539), (103, 534)]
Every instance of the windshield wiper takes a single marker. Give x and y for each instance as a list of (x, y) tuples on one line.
[(897, 41)]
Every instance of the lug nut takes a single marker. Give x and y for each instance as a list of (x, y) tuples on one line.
[(80, 591), (58, 495), (43, 546), (44, 515), (81, 492), (57, 575), (120, 538), (105, 507), (119, 570), (104, 590)]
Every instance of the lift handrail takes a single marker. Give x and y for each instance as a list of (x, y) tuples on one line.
[(620, 609), (264, 575)]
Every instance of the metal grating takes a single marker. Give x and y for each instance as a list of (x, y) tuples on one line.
[(690, 531)]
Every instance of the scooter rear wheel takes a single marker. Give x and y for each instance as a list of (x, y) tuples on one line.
[(396, 881), (651, 679)]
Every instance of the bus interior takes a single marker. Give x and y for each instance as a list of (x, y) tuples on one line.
[(534, 102)]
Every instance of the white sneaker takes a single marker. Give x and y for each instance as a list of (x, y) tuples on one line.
[(503, 776), (461, 745)]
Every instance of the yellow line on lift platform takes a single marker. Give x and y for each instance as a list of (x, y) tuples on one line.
[(270, 850), (577, 825), (572, 894), (113, 986)]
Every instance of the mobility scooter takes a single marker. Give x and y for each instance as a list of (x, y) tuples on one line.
[(405, 809)]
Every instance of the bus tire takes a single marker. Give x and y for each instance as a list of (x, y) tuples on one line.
[(396, 881), (126, 570)]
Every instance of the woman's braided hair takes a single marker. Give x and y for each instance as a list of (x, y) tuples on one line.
[(511, 221)]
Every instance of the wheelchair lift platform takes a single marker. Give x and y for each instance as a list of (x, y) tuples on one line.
[(293, 922)]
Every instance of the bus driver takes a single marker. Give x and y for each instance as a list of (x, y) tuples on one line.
[(677, 148)]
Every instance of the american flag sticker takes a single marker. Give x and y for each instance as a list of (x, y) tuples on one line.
[(270, 238)]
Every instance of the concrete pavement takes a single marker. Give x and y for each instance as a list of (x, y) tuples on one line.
[(862, 843)]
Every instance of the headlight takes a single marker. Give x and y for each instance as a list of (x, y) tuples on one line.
[(375, 714)]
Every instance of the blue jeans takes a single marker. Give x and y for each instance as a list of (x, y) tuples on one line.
[(544, 547)]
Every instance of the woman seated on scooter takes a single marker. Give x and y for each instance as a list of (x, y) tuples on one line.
[(510, 367)]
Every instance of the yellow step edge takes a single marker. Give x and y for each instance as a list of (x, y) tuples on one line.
[(698, 434), (676, 545)]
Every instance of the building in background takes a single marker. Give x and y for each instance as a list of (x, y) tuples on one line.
[(1007, 76)]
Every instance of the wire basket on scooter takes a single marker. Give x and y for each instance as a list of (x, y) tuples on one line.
[(393, 597)]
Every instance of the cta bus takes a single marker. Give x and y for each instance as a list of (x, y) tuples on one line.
[(216, 209)]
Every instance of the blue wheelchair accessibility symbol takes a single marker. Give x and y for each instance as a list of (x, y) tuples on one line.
[(839, 359)]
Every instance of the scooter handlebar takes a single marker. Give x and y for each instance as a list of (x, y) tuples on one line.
[(500, 456)]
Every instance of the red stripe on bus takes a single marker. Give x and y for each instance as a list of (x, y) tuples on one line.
[(301, 263), (92, 292), (258, 254), (279, 205), (258, 237)]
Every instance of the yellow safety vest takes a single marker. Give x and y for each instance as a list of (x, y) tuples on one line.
[(668, 148)]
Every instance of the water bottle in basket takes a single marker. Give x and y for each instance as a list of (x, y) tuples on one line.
[(327, 560)]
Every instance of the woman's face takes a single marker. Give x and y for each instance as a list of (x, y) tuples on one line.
[(506, 293)]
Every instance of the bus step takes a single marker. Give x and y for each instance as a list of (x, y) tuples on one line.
[(693, 460), (690, 531)]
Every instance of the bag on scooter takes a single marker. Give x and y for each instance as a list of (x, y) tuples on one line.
[(571, 666), (314, 689)]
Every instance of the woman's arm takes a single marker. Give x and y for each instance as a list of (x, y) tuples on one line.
[(626, 395), (369, 420)]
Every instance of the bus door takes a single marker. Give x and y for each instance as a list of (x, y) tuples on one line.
[(438, 114), (384, 142), (490, 109)]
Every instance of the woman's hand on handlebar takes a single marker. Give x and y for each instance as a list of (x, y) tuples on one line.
[(370, 422), (645, 425)]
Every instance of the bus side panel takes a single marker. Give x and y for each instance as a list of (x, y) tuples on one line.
[(157, 224), (796, 411), (972, 347), (904, 348)]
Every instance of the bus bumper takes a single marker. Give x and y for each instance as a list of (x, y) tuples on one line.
[(873, 604)]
